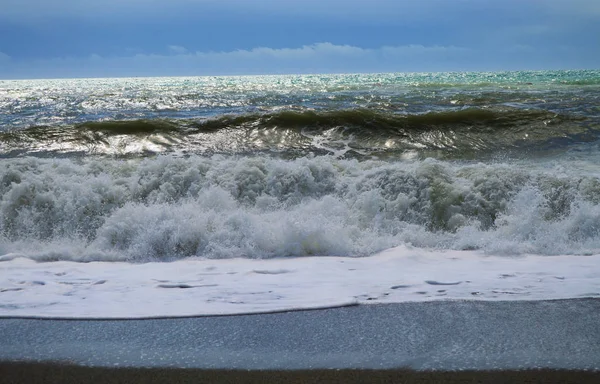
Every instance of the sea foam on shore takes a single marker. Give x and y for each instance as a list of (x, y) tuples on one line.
[(192, 287)]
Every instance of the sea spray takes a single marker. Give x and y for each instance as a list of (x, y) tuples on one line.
[(171, 207)]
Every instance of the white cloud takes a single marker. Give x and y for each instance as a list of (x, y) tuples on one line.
[(315, 51), (316, 58), (332, 51)]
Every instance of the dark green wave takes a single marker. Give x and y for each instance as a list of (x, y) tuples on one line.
[(364, 129)]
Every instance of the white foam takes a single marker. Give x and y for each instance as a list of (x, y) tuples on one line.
[(169, 207), (234, 286)]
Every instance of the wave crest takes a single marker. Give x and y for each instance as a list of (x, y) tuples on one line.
[(363, 131)]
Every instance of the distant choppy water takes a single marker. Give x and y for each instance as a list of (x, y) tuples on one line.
[(220, 167)]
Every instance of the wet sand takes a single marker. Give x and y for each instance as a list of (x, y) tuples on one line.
[(444, 341)]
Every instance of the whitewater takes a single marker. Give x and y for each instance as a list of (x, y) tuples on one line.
[(166, 197)]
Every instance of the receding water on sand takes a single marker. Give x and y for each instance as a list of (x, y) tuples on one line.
[(458, 335)]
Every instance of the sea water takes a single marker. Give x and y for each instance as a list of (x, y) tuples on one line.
[(148, 197)]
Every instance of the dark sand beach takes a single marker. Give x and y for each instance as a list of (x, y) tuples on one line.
[(49, 373), (451, 341)]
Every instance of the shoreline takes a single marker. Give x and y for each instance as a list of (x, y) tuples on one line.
[(592, 297), (22, 372)]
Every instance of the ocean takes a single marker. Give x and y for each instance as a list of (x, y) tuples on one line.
[(213, 195)]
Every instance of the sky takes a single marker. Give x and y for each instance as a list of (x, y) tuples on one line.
[(122, 38)]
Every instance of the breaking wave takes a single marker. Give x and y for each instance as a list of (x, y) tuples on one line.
[(171, 207)]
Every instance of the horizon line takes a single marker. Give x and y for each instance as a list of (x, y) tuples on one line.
[(298, 74)]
